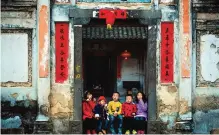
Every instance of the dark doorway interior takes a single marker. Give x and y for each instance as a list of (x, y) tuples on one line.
[(98, 73), (100, 65), (101, 50)]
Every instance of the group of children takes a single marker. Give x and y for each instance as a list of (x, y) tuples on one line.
[(130, 116)]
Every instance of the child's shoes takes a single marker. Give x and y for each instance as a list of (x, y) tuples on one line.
[(134, 132), (93, 132), (100, 133), (140, 131), (104, 131), (88, 132), (127, 132)]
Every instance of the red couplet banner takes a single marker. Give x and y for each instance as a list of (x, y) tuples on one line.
[(61, 42), (167, 46)]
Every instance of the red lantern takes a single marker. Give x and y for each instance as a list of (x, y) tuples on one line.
[(126, 54)]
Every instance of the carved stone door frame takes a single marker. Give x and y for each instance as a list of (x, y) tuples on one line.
[(80, 17)]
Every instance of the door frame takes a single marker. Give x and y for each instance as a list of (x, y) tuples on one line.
[(80, 17)]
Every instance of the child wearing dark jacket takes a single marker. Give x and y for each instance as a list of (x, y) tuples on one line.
[(88, 115), (101, 115), (129, 110)]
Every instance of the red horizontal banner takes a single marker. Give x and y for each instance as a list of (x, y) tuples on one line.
[(167, 45), (119, 14), (61, 41)]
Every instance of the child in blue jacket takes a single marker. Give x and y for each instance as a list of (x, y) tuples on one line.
[(100, 112)]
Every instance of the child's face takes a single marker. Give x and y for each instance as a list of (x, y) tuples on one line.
[(102, 102), (115, 96), (139, 96), (128, 99), (89, 96)]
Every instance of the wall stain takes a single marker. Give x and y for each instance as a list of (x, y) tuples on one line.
[(60, 105), (206, 103), (13, 115), (43, 41), (184, 106)]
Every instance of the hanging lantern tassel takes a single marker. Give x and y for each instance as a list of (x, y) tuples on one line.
[(109, 26), (110, 19), (126, 54)]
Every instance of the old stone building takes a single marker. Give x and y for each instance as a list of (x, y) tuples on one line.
[(54, 50)]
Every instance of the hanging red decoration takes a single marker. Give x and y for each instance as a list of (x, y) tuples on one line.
[(126, 54), (111, 15), (119, 64), (110, 19)]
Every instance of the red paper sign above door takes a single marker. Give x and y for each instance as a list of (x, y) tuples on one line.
[(167, 46), (119, 14), (61, 41)]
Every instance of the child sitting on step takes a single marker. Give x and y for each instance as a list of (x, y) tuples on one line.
[(101, 115), (114, 110), (88, 115), (141, 114), (129, 110)]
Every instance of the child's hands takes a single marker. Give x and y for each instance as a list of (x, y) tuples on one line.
[(133, 114), (96, 115), (115, 114), (105, 106)]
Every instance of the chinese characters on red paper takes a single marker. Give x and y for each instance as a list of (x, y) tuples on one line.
[(62, 40), (167, 44)]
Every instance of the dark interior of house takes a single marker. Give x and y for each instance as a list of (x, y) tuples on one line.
[(101, 49), (100, 63)]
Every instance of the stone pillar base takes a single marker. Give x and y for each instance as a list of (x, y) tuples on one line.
[(154, 127), (12, 131), (43, 127), (214, 131), (76, 127), (184, 127)]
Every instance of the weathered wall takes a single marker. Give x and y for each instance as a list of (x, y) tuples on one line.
[(174, 100), (43, 27), (18, 68), (209, 44), (185, 46), (61, 97), (168, 94), (206, 71), (205, 110)]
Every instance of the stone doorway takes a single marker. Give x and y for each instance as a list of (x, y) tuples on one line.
[(78, 23)]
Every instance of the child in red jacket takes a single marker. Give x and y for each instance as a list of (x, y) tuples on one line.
[(88, 114), (129, 110)]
